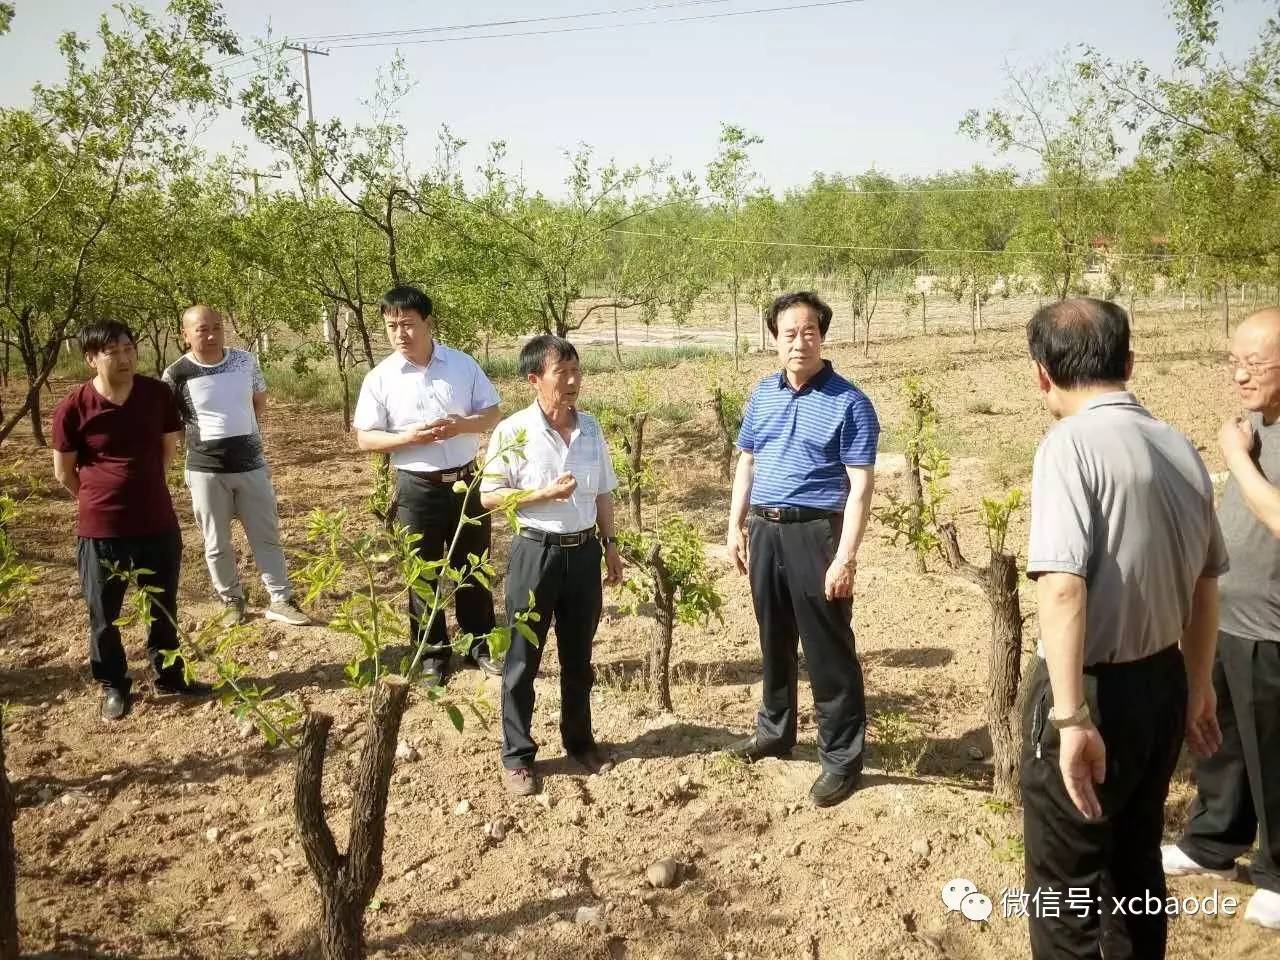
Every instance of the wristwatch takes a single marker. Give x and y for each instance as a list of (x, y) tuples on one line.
[(608, 541), (1081, 718)]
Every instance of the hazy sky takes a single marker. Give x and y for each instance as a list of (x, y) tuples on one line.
[(838, 88)]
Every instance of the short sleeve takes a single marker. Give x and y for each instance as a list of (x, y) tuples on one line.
[(1216, 561), (171, 418), (859, 434), (1062, 515), (371, 410), (483, 393), (66, 427), (498, 473), (259, 381), (608, 476), (747, 432)]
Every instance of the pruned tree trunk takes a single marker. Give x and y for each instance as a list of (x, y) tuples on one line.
[(726, 434), (636, 452), (8, 865), (915, 493), (348, 881), (737, 349), (664, 601), (1226, 309), (617, 342), (924, 314), (999, 583)]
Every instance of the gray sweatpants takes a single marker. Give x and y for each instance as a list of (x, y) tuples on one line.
[(216, 498)]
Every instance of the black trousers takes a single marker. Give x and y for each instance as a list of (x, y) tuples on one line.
[(1140, 709), (433, 510), (788, 565), (162, 554), (566, 587), (1239, 786)]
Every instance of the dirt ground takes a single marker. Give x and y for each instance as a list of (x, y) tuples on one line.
[(170, 834)]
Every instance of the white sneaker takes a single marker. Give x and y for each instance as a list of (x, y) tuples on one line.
[(1178, 864), (1264, 909)]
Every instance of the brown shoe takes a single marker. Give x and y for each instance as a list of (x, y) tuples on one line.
[(521, 781), (594, 760)]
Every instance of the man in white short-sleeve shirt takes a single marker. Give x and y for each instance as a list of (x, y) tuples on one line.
[(564, 476), (427, 405)]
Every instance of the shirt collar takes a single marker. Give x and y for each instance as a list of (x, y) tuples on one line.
[(437, 356), (539, 418), (817, 380), (1117, 398)]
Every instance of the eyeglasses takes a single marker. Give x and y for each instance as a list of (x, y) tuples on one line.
[(1252, 367)]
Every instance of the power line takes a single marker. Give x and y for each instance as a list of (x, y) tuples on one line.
[(600, 26), (481, 25)]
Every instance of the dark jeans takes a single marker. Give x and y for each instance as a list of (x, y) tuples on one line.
[(1140, 709), (1239, 786), (788, 567), (104, 595), (566, 587), (433, 510)]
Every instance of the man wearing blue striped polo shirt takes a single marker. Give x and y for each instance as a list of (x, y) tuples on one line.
[(804, 480)]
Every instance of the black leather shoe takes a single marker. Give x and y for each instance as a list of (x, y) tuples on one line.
[(487, 665), (750, 750), (432, 673), (182, 688), (832, 788), (115, 703)]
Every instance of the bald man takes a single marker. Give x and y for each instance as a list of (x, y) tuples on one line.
[(1239, 787), (221, 393)]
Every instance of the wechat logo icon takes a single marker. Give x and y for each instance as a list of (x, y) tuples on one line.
[(962, 896)]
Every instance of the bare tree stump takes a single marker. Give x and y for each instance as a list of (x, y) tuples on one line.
[(8, 865), (635, 451), (664, 601), (348, 881), (999, 583)]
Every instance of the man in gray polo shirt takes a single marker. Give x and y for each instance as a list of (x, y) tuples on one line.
[(1125, 550), (1239, 787)]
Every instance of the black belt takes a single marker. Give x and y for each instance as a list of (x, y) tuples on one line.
[(442, 477), (579, 539), (792, 514)]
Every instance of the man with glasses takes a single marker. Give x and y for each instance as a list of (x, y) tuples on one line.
[(1238, 796), (427, 404), (113, 440)]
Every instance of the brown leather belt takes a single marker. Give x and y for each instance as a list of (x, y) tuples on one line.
[(443, 477)]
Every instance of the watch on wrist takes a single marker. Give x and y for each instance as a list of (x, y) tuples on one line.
[(608, 541), (1080, 718)]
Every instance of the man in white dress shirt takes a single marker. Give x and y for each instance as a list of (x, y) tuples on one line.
[(427, 404), (565, 477)]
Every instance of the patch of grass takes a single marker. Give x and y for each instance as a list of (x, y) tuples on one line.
[(896, 740), (724, 767), (1009, 464), (602, 360), (318, 384), (673, 413), (628, 687), (980, 407), (997, 806)]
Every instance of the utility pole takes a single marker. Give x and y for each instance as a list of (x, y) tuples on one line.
[(306, 52), (256, 175)]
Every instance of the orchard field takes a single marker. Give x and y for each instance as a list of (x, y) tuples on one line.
[(170, 834)]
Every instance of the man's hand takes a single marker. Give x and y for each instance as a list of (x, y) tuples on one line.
[(445, 428), (839, 579), (1204, 737), (419, 433), (737, 545), (561, 488), (1236, 438), (612, 566), (1082, 757)]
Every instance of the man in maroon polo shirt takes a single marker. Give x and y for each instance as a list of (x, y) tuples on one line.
[(113, 439)]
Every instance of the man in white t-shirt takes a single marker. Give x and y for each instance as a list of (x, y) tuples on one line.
[(426, 405), (221, 393), (565, 478)]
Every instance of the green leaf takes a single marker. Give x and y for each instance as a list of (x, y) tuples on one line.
[(455, 716)]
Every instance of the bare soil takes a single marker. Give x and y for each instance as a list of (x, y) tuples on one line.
[(170, 835)]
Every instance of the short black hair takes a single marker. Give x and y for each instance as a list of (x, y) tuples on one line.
[(800, 298), (1080, 342), (404, 297), (98, 336), (534, 354)]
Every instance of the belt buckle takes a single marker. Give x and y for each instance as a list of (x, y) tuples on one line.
[(773, 513), (571, 540)]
